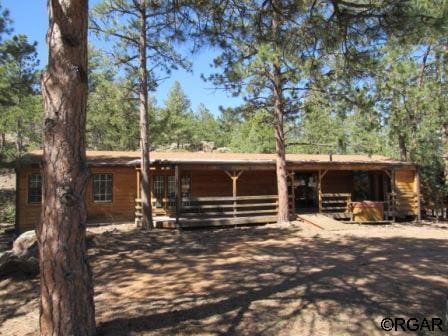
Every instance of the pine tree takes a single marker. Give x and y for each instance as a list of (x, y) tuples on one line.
[(177, 119), (144, 32), (19, 94)]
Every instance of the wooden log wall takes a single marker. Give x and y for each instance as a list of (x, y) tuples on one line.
[(406, 192), (122, 207)]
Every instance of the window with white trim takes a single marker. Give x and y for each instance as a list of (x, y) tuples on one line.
[(35, 188), (185, 190), (159, 190), (102, 187)]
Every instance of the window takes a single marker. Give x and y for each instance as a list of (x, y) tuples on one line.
[(159, 190), (102, 187), (35, 188), (185, 190), (164, 191)]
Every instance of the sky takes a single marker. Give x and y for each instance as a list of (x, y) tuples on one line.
[(30, 18)]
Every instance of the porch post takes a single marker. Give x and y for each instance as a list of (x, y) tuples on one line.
[(320, 178), (177, 193), (394, 195), (293, 197), (234, 177), (138, 200), (319, 191), (417, 192)]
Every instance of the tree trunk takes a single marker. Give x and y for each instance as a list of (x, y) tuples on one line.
[(66, 305), (445, 162), (19, 139), (144, 129), (402, 147), (2, 141), (282, 182)]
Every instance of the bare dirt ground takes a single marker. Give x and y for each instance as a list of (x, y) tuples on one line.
[(7, 179), (266, 280)]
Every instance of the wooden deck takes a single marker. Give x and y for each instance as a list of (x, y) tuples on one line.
[(166, 222), (323, 222)]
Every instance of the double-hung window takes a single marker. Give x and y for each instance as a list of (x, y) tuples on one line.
[(102, 187), (159, 190), (35, 188)]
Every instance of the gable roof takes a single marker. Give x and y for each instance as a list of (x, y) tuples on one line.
[(123, 158)]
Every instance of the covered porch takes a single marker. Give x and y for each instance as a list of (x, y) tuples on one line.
[(220, 194), (337, 193), (194, 195)]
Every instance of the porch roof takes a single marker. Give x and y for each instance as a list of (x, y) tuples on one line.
[(123, 158)]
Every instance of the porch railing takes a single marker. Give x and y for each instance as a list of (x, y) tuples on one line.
[(335, 203), (239, 206), (221, 207)]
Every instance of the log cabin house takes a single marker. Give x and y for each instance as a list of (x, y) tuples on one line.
[(201, 189)]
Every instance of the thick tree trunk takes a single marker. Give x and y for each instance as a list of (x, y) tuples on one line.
[(282, 181), (66, 306), (144, 129)]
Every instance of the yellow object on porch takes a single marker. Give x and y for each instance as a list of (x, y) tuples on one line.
[(367, 211)]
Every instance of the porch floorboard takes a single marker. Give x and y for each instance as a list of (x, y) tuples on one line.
[(323, 222), (170, 222)]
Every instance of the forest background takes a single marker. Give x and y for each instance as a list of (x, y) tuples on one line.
[(393, 104)]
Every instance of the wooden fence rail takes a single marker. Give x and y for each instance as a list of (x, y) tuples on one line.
[(239, 206), (223, 210), (335, 203)]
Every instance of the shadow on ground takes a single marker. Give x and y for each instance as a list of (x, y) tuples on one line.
[(264, 281)]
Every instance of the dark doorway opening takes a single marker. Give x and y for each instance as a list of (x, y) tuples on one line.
[(305, 192)]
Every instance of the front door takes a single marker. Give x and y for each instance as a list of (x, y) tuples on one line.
[(163, 194), (305, 191)]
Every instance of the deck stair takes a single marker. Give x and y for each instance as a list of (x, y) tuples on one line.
[(323, 222)]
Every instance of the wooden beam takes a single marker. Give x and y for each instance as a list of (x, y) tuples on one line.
[(177, 192), (394, 195), (190, 222), (293, 205), (138, 184), (323, 174), (417, 191), (138, 197), (319, 190), (319, 187), (234, 176)]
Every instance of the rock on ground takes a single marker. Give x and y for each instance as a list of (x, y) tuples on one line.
[(23, 258)]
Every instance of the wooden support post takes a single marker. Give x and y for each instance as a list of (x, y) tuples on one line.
[(319, 191), (319, 187), (293, 196), (177, 193), (418, 196), (138, 201), (234, 177), (394, 196), (138, 183)]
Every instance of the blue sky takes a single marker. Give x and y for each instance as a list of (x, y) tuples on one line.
[(30, 18)]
